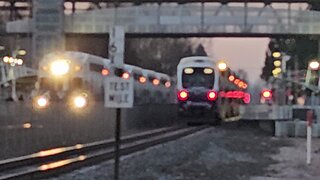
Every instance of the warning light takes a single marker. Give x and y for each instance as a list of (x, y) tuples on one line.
[(167, 84), (105, 72), (236, 82), (142, 79), (267, 94), (231, 78), (125, 75)]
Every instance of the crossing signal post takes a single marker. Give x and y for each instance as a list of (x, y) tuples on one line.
[(312, 77), (118, 89)]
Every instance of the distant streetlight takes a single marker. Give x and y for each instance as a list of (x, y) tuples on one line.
[(222, 66), (22, 52), (314, 65), (276, 54), (12, 61)]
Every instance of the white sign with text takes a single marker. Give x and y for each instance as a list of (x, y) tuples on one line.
[(118, 92)]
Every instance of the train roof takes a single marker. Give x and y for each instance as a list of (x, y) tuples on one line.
[(76, 56), (196, 61)]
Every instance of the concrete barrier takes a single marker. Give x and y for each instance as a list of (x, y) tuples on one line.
[(300, 129)]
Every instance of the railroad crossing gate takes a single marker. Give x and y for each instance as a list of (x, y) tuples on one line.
[(118, 92)]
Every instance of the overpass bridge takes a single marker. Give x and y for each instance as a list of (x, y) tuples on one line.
[(189, 19), (50, 24)]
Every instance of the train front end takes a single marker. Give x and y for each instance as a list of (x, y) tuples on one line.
[(60, 78), (197, 84)]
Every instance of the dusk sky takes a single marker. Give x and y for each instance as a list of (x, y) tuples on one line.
[(240, 53)]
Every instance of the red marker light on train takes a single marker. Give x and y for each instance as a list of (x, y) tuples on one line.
[(183, 95), (236, 82), (167, 84), (246, 98), (125, 75), (212, 95), (231, 78), (105, 72), (156, 82), (142, 79)]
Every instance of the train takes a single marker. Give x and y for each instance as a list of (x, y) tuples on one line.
[(77, 78), (203, 90)]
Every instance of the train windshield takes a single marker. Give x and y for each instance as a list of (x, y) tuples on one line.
[(198, 77)]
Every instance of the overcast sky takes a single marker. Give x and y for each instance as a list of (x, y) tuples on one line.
[(239, 53)]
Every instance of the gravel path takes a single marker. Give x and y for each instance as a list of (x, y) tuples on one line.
[(227, 152)]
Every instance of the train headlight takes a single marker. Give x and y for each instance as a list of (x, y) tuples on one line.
[(59, 67), (80, 101), (42, 102)]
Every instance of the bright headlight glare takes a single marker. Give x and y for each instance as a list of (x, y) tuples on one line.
[(59, 67), (80, 101), (42, 102)]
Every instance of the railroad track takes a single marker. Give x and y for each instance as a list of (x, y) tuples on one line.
[(53, 162)]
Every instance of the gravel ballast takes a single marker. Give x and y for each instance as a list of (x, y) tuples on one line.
[(228, 152)]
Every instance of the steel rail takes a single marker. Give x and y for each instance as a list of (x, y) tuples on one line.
[(56, 161)]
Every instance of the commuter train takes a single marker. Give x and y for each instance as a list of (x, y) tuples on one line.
[(202, 90), (78, 78)]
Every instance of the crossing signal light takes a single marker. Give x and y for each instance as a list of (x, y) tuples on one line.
[(231, 78), (183, 95), (266, 94)]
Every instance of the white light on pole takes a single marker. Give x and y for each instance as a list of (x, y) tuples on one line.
[(314, 65)]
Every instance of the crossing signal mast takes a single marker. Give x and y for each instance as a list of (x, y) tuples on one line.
[(312, 77)]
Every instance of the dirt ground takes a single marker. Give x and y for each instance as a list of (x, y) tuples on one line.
[(291, 161)]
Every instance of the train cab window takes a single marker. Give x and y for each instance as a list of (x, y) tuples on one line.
[(76, 83), (96, 67), (200, 77)]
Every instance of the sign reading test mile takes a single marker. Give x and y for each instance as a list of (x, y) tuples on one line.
[(118, 92)]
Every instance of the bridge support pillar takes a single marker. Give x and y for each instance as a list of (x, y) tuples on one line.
[(47, 28)]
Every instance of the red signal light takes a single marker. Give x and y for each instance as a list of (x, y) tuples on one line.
[(236, 82), (245, 85), (142, 79), (183, 95), (212, 95), (267, 94), (105, 72), (167, 84), (156, 82), (246, 98), (241, 83), (125, 75), (231, 78)]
